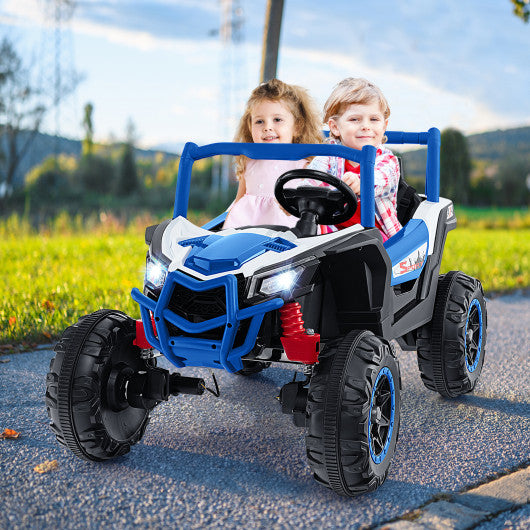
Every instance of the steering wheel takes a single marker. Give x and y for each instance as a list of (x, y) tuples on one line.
[(326, 206)]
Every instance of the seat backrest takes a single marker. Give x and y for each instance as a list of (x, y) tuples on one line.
[(407, 200)]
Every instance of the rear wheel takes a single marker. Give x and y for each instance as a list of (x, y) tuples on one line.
[(86, 386), (353, 414), (451, 347)]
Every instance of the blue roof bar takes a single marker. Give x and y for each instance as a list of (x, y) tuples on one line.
[(192, 152), (432, 140), (366, 158)]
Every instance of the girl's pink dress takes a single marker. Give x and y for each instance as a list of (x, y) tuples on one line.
[(258, 206)]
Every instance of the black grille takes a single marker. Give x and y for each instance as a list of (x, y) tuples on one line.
[(197, 306)]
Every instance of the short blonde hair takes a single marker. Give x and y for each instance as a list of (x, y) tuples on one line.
[(354, 90), (296, 99)]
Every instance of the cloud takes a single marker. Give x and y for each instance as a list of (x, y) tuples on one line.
[(457, 46), (143, 25), (436, 62), (163, 20), (416, 103), (140, 40)]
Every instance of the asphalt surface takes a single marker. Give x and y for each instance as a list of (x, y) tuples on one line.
[(236, 461)]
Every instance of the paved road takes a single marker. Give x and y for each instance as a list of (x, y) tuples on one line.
[(236, 461)]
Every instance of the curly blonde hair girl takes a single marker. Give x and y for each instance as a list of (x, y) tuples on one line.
[(296, 99)]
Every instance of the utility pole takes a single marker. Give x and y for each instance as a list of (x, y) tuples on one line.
[(271, 39)]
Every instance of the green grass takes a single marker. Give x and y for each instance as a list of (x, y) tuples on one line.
[(48, 282), (512, 218), (499, 258)]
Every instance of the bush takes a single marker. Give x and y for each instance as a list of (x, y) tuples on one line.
[(514, 172), (96, 174), (127, 182), (50, 186)]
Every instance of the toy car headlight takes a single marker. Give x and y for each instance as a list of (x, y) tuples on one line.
[(155, 273), (280, 282)]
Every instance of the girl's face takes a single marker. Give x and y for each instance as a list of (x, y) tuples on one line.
[(360, 125), (272, 122)]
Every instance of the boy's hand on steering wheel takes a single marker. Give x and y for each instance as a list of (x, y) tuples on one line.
[(353, 180)]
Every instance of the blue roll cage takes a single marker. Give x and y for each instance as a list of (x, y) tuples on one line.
[(366, 158)]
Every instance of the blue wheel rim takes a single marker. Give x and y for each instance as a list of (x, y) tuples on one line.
[(382, 410), (473, 335)]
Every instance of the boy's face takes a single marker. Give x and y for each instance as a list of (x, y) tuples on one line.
[(272, 122), (360, 125)]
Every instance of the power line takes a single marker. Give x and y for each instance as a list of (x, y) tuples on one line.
[(58, 77)]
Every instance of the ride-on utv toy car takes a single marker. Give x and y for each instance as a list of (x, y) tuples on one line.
[(240, 299)]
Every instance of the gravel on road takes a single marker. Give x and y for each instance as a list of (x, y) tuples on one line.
[(236, 461)]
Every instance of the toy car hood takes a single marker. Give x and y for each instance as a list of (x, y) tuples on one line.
[(205, 254)]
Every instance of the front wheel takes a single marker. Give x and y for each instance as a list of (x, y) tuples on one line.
[(451, 347), (354, 414), (86, 385)]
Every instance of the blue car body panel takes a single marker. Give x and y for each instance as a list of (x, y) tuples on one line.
[(407, 251), (214, 254)]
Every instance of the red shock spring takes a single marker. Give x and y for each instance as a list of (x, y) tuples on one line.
[(291, 317)]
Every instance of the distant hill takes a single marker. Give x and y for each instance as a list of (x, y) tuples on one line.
[(46, 145), (491, 145), (497, 144)]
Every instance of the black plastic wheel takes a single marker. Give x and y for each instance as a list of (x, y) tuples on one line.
[(353, 410), (85, 387), (252, 367), (451, 347)]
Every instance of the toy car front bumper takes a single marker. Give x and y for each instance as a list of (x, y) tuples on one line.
[(194, 351)]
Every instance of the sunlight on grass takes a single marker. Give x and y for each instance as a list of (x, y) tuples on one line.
[(49, 281), (499, 258)]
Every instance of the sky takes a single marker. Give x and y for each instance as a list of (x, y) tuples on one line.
[(162, 66)]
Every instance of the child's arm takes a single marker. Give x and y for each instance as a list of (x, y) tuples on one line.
[(320, 163), (386, 175), (241, 190)]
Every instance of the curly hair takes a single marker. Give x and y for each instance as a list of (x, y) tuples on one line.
[(308, 127)]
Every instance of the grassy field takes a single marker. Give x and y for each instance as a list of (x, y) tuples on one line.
[(48, 281), (511, 218)]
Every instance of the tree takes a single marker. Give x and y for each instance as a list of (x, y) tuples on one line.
[(50, 182), (512, 189), (21, 112), (88, 142), (96, 171), (128, 177), (455, 166), (521, 9), (96, 174)]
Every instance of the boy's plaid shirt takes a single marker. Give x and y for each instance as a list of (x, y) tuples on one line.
[(386, 181)]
